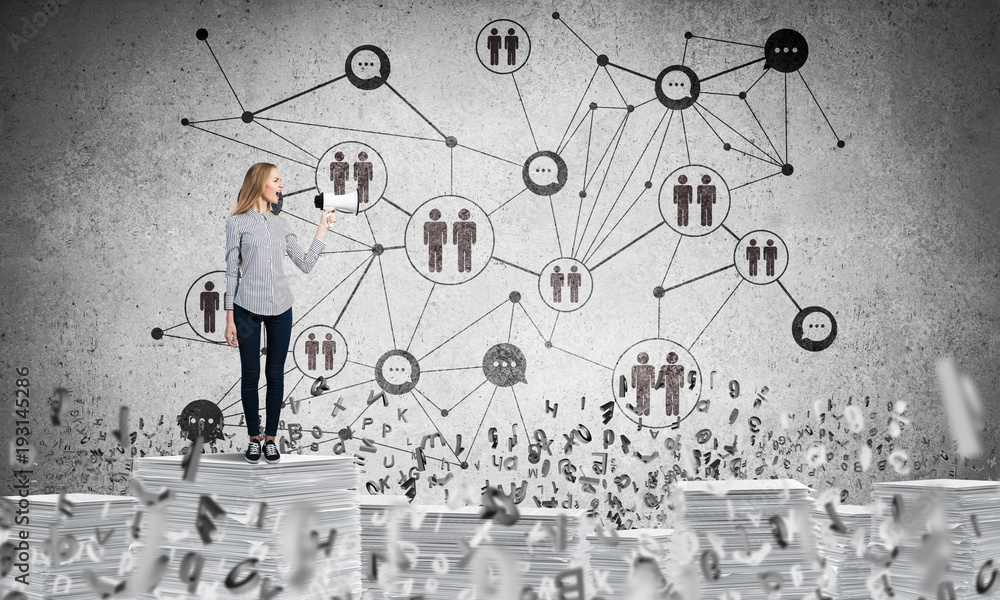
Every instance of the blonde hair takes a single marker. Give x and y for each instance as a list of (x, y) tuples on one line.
[(253, 187)]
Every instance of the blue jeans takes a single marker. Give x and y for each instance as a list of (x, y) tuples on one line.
[(279, 334)]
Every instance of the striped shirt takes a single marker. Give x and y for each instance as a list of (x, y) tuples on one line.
[(258, 241)]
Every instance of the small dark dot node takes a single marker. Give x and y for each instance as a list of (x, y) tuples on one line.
[(786, 169), (630, 108), (658, 291), (840, 143), (378, 249), (555, 15), (201, 34), (157, 333), (444, 412), (247, 117), (583, 193), (593, 106), (548, 344), (727, 147), (648, 184), (451, 141), (603, 60), (465, 464), (743, 95), (688, 35), (185, 122), (515, 297)]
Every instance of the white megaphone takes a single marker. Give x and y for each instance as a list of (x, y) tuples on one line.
[(347, 203)]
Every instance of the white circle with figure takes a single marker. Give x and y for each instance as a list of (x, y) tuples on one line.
[(449, 239), (350, 168), (503, 46), (565, 284), (320, 350), (694, 200), (205, 306), (761, 257), (658, 382)]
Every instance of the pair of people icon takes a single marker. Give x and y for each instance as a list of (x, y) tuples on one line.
[(510, 44), (364, 172), (463, 235), (770, 256), (329, 348), (684, 195), (573, 279), (671, 378)]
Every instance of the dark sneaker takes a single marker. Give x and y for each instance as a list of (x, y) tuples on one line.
[(271, 452), (253, 452)]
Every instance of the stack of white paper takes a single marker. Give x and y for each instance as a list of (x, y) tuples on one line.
[(293, 525), (613, 557), (945, 531), (379, 516), (744, 537), (842, 538), (91, 533)]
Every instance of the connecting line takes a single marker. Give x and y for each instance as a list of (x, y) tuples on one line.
[(308, 189), (754, 181), (784, 289), (671, 262), (597, 196), (398, 135), (398, 207), (428, 398), (752, 62), (285, 212), (572, 135), (701, 37), (312, 89), (225, 137), (224, 75), (662, 142), (410, 452), (354, 291), (576, 230), (385, 289), (747, 140), (764, 72), (787, 158), (389, 85), (510, 328), (731, 232), (716, 314), (767, 137), (552, 205), (313, 307), (525, 311), (417, 326), (354, 362), (506, 201), (501, 261), (577, 37), (227, 393), (451, 369), (181, 337), (636, 73), (446, 443), (554, 323), (582, 98), (190, 122), (370, 229), (684, 129), (818, 106), (532, 131), (259, 388), (674, 287), (614, 83), (436, 348), (582, 358), (451, 170), (684, 58), (590, 255), (518, 405), (490, 155), (617, 252), (484, 382), (483, 420), (586, 162)]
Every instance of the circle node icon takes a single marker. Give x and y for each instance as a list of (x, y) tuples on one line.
[(548, 344), (727, 147), (352, 167), (565, 274), (761, 246), (201, 34), (442, 228), (504, 365), (785, 51), (444, 412), (677, 87), (814, 328), (787, 169), (157, 333), (397, 372), (378, 249), (367, 67), (603, 60), (593, 106), (515, 297), (583, 193), (841, 143), (451, 141), (320, 350), (247, 117), (698, 188), (544, 173), (658, 382), (503, 46), (659, 292)]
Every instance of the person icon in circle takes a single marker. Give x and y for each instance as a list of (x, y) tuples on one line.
[(493, 42), (672, 376), (770, 256), (556, 279), (435, 237), (642, 380), (682, 198), (753, 255)]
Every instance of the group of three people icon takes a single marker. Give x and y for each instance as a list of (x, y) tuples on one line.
[(573, 279), (684, 196), (463, 235), (770, 256), (671, 378), (364, 172), (509, 43)]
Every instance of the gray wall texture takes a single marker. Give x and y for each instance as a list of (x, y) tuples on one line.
[(113, 211)]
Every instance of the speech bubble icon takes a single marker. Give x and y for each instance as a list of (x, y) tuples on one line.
[(677, 85), (504, 365), (397, 372), (814, 328), (785, 51), (544, 173), (543, 170), (366, 64)]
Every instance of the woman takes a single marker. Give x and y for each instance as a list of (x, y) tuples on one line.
[(255, 240)]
